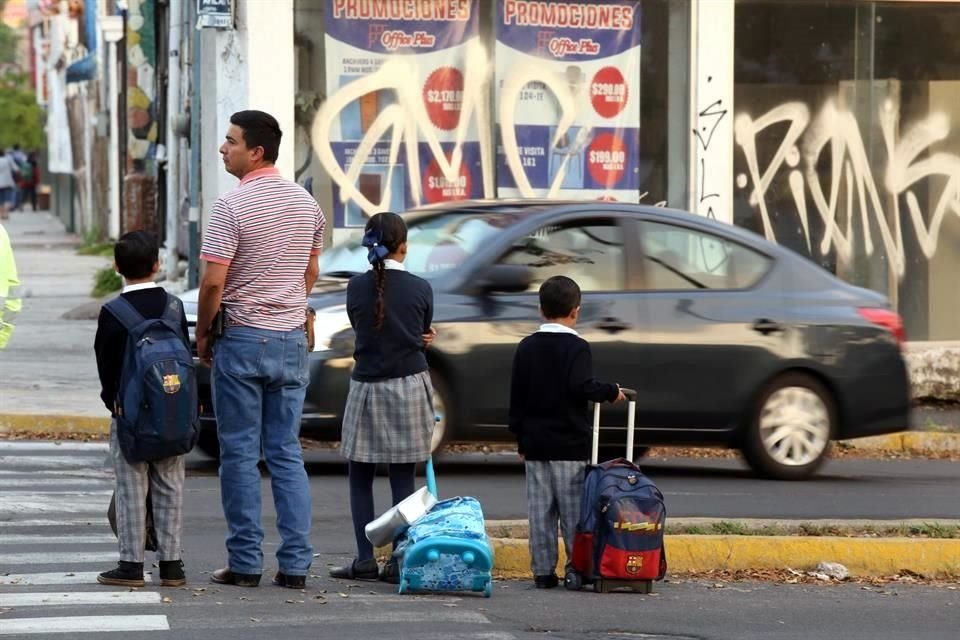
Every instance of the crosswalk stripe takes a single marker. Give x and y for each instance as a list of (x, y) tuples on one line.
[(67, 558), (48, 504), (56, 482), (96, 538), (29, 445), (47, 579), (42, 494), (77, 598), (49, 462), (99, 472), (83, 624), (66, 522)]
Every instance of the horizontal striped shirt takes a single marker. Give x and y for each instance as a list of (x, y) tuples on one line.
[(265, 230)]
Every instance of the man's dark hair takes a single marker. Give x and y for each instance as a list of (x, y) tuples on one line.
[(559, 296), (260, 129), (135, 254)]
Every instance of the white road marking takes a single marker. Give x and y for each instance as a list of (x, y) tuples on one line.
[(100, 522), (94, 538), (32, 445), (55, 482), (44, 579), (44, 503), (67, 559), (49, 462), (77, 598), (83, 624)]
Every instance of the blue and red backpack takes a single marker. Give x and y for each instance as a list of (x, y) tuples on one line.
[(620, 532)]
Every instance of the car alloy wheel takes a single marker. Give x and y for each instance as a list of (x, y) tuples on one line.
[(791, 428), (441, 408), (794, 426)]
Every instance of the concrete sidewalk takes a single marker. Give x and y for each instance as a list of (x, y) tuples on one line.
[(48, 368)]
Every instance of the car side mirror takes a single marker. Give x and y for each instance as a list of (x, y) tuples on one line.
[(503, 278)]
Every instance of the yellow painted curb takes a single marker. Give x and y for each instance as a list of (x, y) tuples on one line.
[(862, 556), (908, 442), (31, 423)]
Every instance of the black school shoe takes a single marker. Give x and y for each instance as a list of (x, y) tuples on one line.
[(546, 582), (171, 573), (225, 576), (290, 582), (357, 570), (127, 574), (391, 572)]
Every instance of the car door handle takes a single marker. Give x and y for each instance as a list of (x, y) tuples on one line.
[(612, 325), (766, 326)]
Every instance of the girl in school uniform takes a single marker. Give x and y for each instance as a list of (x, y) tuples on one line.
[(389, 415)]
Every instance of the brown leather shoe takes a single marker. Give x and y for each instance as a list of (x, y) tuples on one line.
[(290, 582), (226, 576)]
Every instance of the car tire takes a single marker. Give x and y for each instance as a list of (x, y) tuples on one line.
[(209, 442), (442, 405), (789, 432)]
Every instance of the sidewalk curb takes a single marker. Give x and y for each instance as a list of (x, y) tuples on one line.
[(932, 558), (907, 442), (45, 424)]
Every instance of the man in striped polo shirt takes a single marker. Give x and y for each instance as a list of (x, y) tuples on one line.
[(260, 251)]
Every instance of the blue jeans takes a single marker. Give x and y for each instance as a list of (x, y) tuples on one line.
[(259, 383)]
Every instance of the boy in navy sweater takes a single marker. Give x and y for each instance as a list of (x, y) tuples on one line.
[(136, 259), (549, 393)]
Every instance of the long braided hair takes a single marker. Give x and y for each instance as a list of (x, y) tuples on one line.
[(384, 234)]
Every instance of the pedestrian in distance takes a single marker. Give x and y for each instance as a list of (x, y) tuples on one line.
[(136, 257), (8, 183), (260, 250), (551, 385), (389, 416)]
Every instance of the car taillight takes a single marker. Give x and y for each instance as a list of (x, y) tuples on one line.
[(889, 320)]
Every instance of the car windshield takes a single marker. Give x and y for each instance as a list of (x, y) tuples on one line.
[(436, 244)]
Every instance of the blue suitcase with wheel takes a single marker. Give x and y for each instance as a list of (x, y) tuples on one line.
[(447, 548)]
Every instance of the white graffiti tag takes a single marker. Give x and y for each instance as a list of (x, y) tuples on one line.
[(803, 147), (408, 123)]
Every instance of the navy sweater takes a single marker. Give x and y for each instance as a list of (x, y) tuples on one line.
[(551, 386), (396, 351)]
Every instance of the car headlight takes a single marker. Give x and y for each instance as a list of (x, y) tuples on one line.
[(328, 323)]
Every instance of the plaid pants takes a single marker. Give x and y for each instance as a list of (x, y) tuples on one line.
[(165, 479), (554, 491)]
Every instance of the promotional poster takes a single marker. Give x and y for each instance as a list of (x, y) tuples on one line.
[(424, 94), (568, 99)]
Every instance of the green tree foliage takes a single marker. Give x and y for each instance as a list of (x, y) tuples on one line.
[(21, 118)]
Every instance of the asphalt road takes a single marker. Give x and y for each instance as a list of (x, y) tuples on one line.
[(54, 538)]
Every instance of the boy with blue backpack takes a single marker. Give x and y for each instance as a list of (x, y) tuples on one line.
[(550, 389), (148, 383)]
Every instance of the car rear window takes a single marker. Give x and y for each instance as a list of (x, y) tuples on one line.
[(677, 257)]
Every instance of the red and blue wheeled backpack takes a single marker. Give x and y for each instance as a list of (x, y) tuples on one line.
[(619, 540)]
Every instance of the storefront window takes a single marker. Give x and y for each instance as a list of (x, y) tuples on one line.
[(847, 144), (407, 110)]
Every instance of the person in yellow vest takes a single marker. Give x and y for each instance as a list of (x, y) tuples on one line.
[(10, 303)]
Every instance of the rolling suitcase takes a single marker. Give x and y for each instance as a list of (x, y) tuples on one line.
[(447, 548), (619, 539)]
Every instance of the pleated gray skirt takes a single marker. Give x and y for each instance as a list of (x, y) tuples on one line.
[(389, 421)]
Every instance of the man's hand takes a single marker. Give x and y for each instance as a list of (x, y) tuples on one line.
[(620, 397), (428, 337), (203, 349)]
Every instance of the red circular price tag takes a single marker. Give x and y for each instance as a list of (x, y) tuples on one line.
[(436, 187), (608, 92), (443, 97), (606, 159)]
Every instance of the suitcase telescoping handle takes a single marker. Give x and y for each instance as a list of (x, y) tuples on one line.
[(631, 395)]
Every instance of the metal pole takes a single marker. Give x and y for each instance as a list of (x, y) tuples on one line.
[(193, 271), (112, 33), (173, 143)]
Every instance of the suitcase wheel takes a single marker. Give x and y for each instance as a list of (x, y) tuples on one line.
[(572, 581), (403, 586), (488, 590)]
